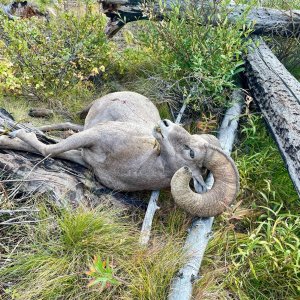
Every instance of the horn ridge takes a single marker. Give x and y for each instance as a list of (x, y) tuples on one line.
[(223, 192)]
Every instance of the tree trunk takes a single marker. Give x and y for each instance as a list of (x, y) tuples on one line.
[(277, 94), (62, 181), (264, 20)]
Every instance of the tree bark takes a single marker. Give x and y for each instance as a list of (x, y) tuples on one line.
[(62, 181), (277, 94), (264, 20)]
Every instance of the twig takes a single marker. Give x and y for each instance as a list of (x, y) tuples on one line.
[(201, 230), (15, 211), (152, 206), (147, 224), (24, 222), (180, 114)]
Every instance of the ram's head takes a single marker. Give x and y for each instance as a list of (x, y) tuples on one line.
[(191, 154)]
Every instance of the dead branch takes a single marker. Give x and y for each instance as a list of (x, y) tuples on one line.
[(264, 20), (201, 230)]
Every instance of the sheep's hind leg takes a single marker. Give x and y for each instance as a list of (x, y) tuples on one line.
[(75, 141), (19, 145), (61, 126)]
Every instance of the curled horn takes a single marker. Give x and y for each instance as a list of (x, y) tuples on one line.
[(223, 192)]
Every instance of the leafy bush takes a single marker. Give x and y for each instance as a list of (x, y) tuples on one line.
[(8, 80), (199, 61), (49, 59)]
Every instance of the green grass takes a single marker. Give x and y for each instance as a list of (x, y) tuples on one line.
[(52, 257), (255, 250), (263, 173), (254, 253)]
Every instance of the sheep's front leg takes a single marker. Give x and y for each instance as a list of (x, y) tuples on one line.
[(61, 126)]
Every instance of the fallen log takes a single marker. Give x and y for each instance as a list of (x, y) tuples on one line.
[(22, 10), (64, 182), (277, 94), (200, 231), (263, 20)]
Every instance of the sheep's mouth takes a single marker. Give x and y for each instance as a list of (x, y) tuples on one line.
[(157, 129)]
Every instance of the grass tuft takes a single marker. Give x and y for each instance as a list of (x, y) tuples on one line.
[(57, 253), (55, 260)]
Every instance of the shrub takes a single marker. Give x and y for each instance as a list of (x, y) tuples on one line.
[(199, 61), (49, 59)]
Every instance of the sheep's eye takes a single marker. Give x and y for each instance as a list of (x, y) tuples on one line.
[(192, 153)]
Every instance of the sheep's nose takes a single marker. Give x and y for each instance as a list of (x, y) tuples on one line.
[(165, 123)]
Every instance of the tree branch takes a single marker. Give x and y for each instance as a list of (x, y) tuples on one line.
[(201, 229)]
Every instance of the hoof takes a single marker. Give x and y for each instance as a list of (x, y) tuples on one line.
[(200, 186), (15, 133)]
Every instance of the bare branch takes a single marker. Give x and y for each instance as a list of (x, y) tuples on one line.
[(201, 229)]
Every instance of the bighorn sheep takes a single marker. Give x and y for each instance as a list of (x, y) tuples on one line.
[(130, 148)]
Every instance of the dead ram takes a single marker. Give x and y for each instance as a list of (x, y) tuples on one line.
[(130, 148)]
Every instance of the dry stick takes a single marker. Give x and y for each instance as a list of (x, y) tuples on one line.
[(152, 206), (15, 211), (200, 230)]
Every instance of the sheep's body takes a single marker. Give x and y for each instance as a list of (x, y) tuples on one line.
[(124, 155), (126, 107), (130, 148)]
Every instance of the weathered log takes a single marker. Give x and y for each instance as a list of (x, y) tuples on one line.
[(264, 20), (41, 113), (201, 229), (23, 10), (61, 180), (277, 94), (47, 113)]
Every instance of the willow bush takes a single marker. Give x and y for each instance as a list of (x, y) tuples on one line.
[(46, 60), (200, 62)]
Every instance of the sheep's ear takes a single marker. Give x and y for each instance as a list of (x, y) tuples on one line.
[(24, 3)]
